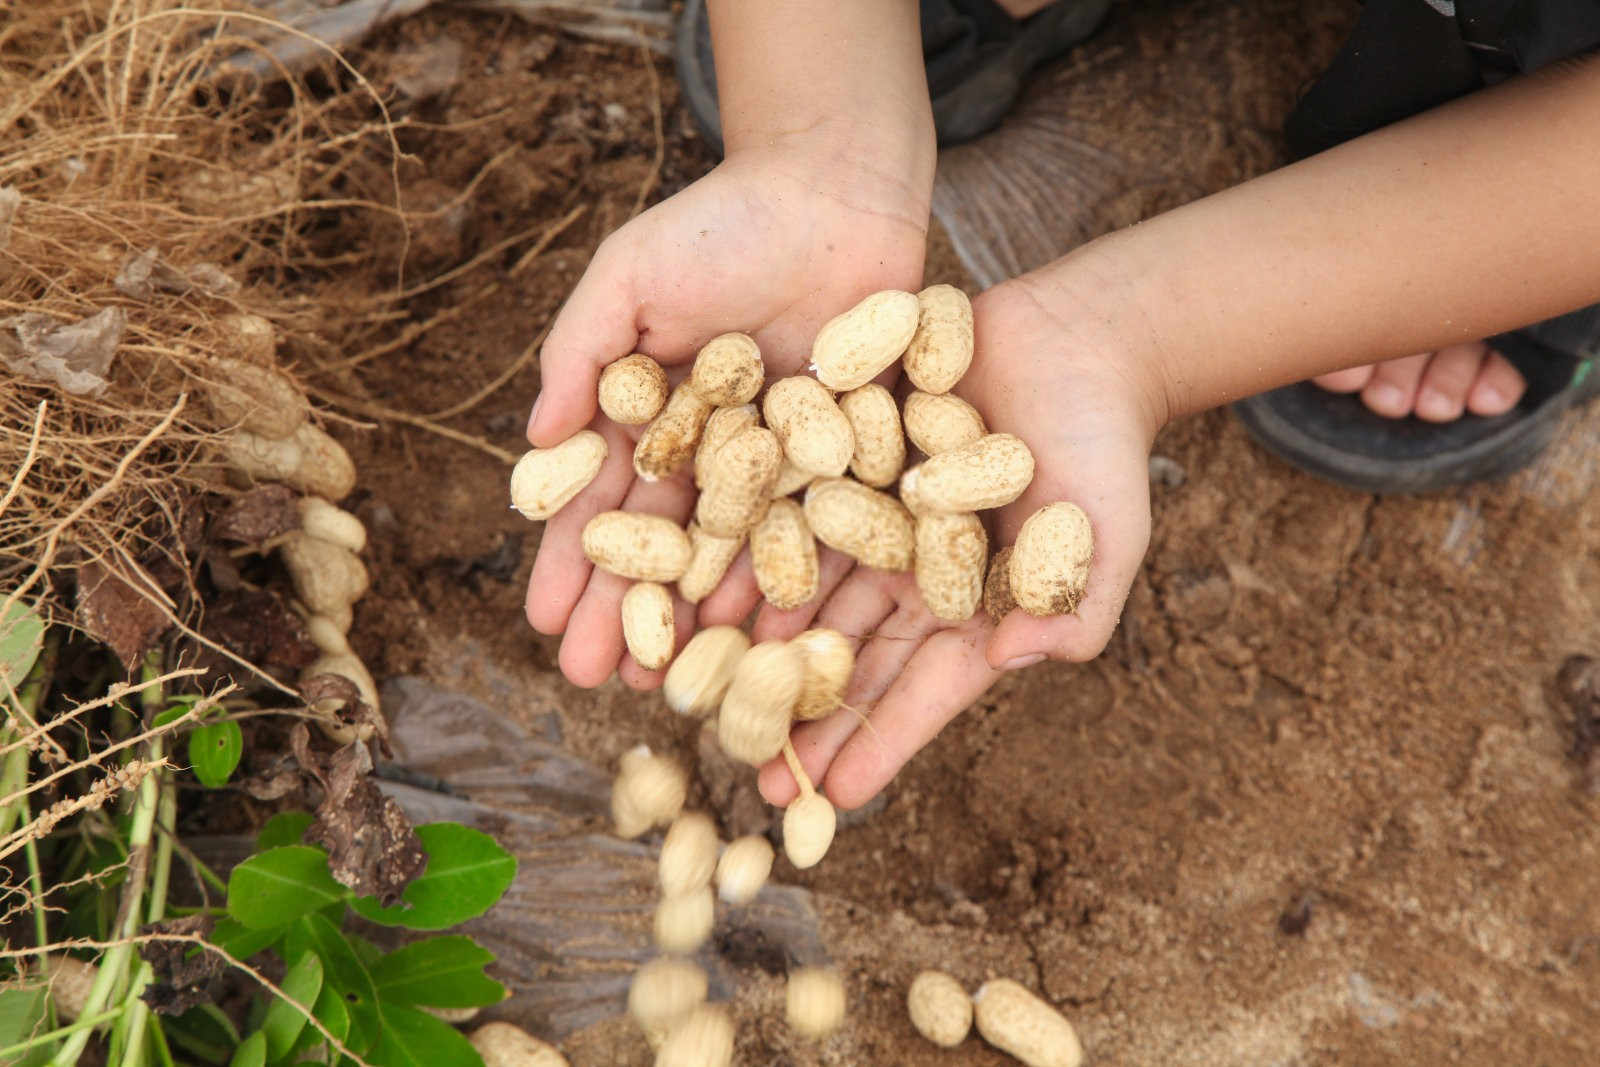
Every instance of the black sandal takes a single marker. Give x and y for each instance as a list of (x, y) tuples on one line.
[(977, 59), (1335, 437)]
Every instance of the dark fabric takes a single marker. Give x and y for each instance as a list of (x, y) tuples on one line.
[(1406, 56)]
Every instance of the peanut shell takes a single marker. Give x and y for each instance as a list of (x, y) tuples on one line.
[(709, 559), (739, 481), (720, 428), (1049, 568), (941, 423), (546, 479), (989, 473), (853, 348), (828, 660), (699, 678), (670, 439), (869, 526), (816, 435), (941, 348), (759, 705), (1014, 1020), (880, 450), (647, 625), (784, 555), (728, 370), (633, 390), (951, 553), (646, 548)]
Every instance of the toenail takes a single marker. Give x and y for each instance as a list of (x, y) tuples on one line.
[(1387, 397), (1434, 404)]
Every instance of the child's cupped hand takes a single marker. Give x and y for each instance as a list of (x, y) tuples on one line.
[(770, 243), (1089, 422)]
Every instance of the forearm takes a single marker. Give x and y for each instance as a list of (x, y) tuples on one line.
[(1475, 218), (833, 77)]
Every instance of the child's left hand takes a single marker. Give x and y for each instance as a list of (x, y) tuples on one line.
[(1089, 420)]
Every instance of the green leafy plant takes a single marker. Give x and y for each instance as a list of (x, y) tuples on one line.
[(110, 961)]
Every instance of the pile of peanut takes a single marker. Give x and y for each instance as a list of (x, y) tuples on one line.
[(840, 441)]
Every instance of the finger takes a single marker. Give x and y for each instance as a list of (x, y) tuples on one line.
[(735, 597), (636, 677), (560, 570), (1393, 389), (860, 603), (1498, 388), (596, 326), (1446, 381), (882, 659), (942, 680), (773, 624), (593, 645)]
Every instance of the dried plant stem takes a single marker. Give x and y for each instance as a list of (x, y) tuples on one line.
[(800, 776)]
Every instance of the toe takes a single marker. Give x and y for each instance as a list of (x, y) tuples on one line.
[(1345, 381), (1442, 392), (1393, 388), (1498, 388)]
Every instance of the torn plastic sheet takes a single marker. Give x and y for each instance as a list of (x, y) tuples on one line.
[(74, 355)]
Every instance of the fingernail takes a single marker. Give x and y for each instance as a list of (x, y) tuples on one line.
[(533, 416), (1492, 397), (1387, 398), (1022, 661)]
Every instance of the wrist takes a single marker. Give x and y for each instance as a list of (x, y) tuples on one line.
[(1102, 329)]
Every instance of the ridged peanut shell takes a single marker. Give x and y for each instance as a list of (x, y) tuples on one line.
[(829, 661), (728, 370), (546, 479), (670, 439), (951, 553), (869, 526), (816, 435), (254, 398), (720, 428), (853, 348), (814, 1002), (703, 1038), (997, 599), (709, 559), (784, 555), (504, 1045), (791, 479), (941, 423), (647, 624), (633, 390), (880, 451), (759, 705), (331, 523), (739, 481), (744, 868), (1050, 560), (699, 678), (1014, 1020), (940, 1009), (325, 467), (989, 473), (662, 993), (941, 348), (683, 922), (688, 854), (808, 827), (649, 790), (326, 577), (646, 548)]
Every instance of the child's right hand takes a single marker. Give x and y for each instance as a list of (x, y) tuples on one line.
[(773, 242)]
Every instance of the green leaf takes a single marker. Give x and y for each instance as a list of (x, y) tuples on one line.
[(241, 942), (22, 1015), (467, 872), (284, 1021), (284, 828), (342, 970), (330, 1012), (411, 1038), (280, 885), (214, 752), (441, 972), (21, 638), (252, 1052), (179, 707)]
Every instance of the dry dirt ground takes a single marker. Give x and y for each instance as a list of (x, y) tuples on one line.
[(1315, 805)]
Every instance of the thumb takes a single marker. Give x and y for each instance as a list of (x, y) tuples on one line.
[(595, 327), (1115, 494)]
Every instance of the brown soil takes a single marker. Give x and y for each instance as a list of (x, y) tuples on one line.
[(1315, 805)]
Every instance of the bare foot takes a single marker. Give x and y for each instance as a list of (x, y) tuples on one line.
[(1434, 386)]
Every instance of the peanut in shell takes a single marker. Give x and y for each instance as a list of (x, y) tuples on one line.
[(1049, 569), (816, 435), (784, 555), (646, 548), (633, 390), (728, 370), (880, 444), (940, 351), (865, 524), (989, 473), (854, 347), (951, 553)]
